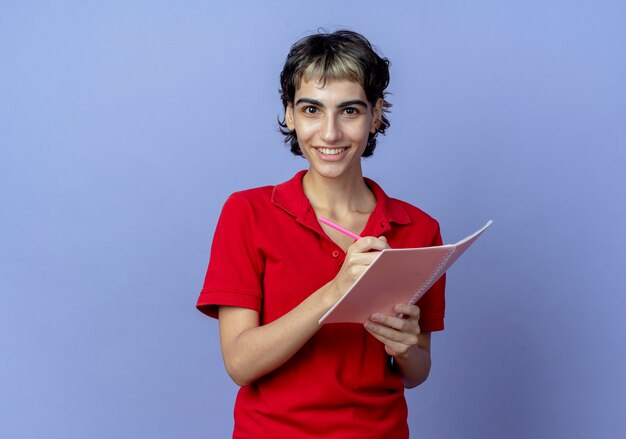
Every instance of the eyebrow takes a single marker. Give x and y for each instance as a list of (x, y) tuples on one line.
[(344, 104)]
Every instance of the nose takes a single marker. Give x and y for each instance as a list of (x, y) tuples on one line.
[(330, 130)]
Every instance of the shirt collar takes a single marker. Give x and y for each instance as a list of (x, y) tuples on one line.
[(291, 198)]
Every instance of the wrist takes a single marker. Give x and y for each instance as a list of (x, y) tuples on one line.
[(414, 368), (407, 355), (331, 294)]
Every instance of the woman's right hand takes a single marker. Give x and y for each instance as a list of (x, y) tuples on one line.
[(252, 350), (358, 257)]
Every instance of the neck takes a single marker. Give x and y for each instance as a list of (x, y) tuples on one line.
[(337, 197)]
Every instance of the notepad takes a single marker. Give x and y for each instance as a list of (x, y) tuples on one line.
[(397, 276)]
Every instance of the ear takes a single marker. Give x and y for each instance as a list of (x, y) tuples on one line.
[(289, 117), (378, 114)]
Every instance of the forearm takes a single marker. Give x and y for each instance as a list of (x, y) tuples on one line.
[(259, 350), (252, 350), (413, 367), (407, 345)]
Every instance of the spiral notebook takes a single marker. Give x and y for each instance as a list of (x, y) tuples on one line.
[(397, 276)]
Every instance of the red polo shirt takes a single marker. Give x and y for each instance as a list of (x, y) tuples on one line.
[(269, 253)]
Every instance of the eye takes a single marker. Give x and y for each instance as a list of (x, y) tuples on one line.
[(351, 111), (309, 109)]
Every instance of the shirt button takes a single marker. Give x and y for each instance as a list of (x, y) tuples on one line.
[(335, 254)]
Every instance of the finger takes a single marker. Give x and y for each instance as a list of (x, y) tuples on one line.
[(367, 244), (392, 347), (408, 310), (391, 343), (402, 325), (382, 338), (391, 334), (384, 238), (364, 259)]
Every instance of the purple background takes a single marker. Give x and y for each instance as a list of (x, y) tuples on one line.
[(125, 125)]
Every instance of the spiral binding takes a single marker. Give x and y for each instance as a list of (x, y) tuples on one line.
[(433, 276)]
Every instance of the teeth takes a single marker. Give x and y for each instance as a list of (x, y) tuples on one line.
[(331, 151)]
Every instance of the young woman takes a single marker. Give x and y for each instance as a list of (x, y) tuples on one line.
[(275, 270)]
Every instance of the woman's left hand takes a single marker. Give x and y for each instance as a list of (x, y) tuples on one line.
[(399, 335)]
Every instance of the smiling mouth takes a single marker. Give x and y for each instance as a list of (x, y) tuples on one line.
[(331, 151)]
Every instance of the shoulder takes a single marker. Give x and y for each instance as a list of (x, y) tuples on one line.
[(253, 195), (415, 227), (415, 214), (287, 192), (242, 207), (288, 196), (401, 212)]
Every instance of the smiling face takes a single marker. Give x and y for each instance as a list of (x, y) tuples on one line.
[(332, 122)]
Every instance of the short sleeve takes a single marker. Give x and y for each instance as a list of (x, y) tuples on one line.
[(235, 271), (432, 304)]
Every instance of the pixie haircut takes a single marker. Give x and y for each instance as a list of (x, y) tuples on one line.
[(341, 55)]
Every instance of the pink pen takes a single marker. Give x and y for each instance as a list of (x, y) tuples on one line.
[(338, 227)]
